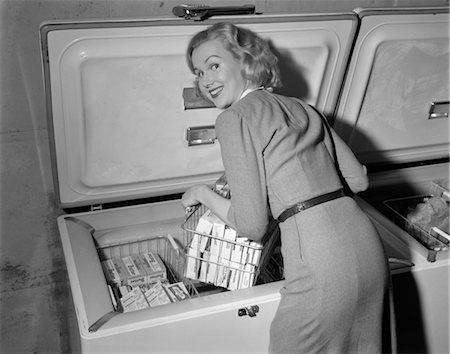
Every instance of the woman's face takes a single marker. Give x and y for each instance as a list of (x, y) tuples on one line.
[(218, 72)]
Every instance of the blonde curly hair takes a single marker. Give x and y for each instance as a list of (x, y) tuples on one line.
[(259, 64)]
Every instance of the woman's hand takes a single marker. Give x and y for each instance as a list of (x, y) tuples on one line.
[(203, 194), (193, 195)]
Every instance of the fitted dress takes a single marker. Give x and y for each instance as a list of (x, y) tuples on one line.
[(277, 152)]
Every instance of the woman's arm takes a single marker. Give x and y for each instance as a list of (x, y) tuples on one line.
[(247, 210), (354, 173), (244, 168), (349, 167), (203, 194)]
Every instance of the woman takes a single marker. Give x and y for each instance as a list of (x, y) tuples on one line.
[(277, 152)]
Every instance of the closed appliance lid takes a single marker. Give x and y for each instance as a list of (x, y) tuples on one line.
[(120, 105)]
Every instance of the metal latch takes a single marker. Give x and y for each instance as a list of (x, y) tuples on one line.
[(201, 135), (439, 110), (96, 207), (250, 310), (201, 12)]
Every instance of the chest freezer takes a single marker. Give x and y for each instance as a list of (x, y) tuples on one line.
[(389, 113), (121, 122)]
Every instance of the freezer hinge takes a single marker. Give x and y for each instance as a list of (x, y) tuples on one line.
[(96, 207), (45, 56), (200, 12)]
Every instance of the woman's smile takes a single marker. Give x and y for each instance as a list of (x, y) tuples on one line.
[(216, 92)]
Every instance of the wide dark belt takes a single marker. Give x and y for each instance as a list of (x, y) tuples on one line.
[(310, 203)]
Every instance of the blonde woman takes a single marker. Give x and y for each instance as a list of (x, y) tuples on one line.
[(282, 160)]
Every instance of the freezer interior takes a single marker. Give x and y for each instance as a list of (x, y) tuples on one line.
[(134, 224), (101, 326), (127, 127)]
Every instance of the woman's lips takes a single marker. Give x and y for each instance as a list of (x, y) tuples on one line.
[(216, 91)]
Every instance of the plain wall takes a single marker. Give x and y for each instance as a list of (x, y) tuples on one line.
[(35, 304)]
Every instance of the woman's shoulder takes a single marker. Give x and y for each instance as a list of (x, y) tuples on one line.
[(255, 102), (257, 105), (266, 98), (244, 112)]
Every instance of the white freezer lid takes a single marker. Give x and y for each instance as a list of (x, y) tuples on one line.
[(398, 68), (114, 97)]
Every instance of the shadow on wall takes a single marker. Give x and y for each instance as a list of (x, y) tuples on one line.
[(294, 82)]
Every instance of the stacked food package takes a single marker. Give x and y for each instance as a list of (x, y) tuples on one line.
[(140, 281)]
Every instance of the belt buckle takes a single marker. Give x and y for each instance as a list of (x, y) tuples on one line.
[(300, 207)]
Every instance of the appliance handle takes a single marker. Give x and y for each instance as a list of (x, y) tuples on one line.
[(201, 12), (201, 135), (439, 109)]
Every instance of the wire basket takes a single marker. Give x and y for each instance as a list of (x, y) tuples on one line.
[(244, 260), (166, 247), (434, 239)]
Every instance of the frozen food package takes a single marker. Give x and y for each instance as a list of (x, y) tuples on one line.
[(139, 273), (154, 266), (431, 212), (155, 294), (217, 255), (134, 270), (111, 272), (221, 187), (177, 291), (133, 300)]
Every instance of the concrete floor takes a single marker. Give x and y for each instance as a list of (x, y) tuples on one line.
[(37, 314)]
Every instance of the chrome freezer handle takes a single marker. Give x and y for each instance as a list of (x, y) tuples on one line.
[(439, 110), (201, 135)]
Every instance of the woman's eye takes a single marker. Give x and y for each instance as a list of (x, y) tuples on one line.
[(199, 74), (214, 67)]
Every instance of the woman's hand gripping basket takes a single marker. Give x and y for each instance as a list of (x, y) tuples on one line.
[(217, 255)]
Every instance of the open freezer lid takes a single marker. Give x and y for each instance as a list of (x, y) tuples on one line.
[(394, 105), (114, 89)]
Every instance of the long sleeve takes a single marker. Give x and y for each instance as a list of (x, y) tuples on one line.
[(354, 173), (244, 168)]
